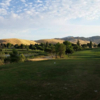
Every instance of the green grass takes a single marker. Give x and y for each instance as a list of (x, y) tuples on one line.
[(93, 53), (74, 78)]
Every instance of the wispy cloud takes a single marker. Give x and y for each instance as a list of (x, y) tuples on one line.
[(47, 15), (23, 1)]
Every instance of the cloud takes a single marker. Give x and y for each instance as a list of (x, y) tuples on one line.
[(3, 11), (23, 1), (5, 3), (39, 1), (47, 15), (64, 9)]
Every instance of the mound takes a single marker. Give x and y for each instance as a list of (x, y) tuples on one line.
[(17, 41), (53, 41)]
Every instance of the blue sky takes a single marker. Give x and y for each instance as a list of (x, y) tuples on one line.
[(40, 19)]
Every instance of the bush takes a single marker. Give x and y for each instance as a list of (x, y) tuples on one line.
[(16, 57), (1, 62), (6, 52), (2, 55), (22, 58), (7, 60), (1, 49)]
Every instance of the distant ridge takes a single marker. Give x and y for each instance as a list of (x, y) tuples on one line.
[(83, 40), (17, 41), (95, 39)]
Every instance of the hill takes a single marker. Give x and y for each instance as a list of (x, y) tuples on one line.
[(53, 41), (17, 41), (81, 41), (95, 39)]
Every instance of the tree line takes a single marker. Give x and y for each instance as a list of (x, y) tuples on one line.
[(59, 49), (43, 46), (56, 50)]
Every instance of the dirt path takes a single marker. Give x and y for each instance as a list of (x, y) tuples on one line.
[(42, 58)]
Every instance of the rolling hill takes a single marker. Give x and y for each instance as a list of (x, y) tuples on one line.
[(17, 41), (83, 40), (54, 41), (95, 39)]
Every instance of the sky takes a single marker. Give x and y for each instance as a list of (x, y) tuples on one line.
[(45, 19)]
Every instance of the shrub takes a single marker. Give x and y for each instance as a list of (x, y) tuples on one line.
[(1, 62), (2, 55), (14, 56), (7, 60), (22, 58)]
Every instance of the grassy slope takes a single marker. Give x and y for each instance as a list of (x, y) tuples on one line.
[(77, 78), (54, 41), (17, 41)]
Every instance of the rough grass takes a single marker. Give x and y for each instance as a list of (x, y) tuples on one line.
[(77, 78)]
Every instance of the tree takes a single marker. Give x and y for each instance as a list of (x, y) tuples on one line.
[(84, 46), (31, 46), (40, 48), (9, 45), (22, 46), (69, 47), (27, 47), (75, 47), (14, 56), (57, 49), (47, 49), (67, 43), (36, 46), (16, 46), (94, 45), (62, 49), (78, 43), (3, 45), (42, 45), (52, 50), (90, 44), (99, 45), (47, 44)]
